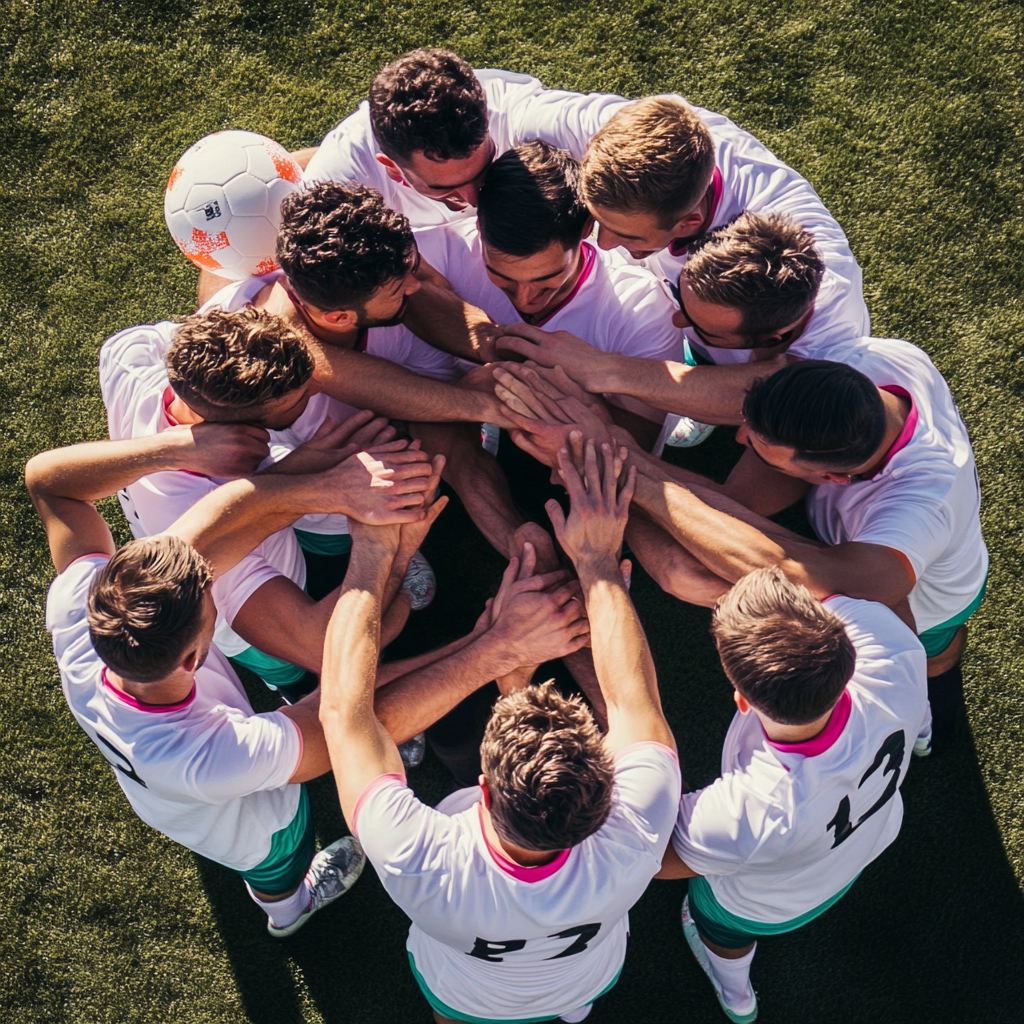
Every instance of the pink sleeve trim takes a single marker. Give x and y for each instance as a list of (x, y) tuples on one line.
[(646, 743), (371, 788), (302, 745), (92, 554)]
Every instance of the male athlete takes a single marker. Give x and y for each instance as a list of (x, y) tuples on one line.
[(246, 368), (432, 126), (519, 889), (829, 697), (133, 633)]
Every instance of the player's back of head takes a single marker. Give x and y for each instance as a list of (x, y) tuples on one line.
[(764, 264), (428, 101), (548, 773), (338, 244), (782, 649), (530, 198), (228, 366), (830, 414), (653, 156), (145, 607)]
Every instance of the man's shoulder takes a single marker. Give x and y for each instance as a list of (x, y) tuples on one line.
[(348, 147), (138, 347)]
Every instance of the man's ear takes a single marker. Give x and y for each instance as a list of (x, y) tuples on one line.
[(688, 226), (389, 165), (486, 792), (741, 702), (588, 228), (340, 317), (190, 663)]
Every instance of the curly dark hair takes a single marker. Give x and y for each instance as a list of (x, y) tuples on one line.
[(339, 243), (430, 102)]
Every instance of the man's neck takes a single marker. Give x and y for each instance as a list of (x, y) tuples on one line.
[(172, 689), (897, 409), (527, 858), (560, 296), (275, 298), (794, 733)]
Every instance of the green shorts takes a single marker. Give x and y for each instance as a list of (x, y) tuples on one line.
[(446, 1011), (291, 850), (939, 637), (323, 543), (725, 929), (273, 671)]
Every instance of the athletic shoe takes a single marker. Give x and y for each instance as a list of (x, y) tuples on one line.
[(333, 872), (412, 751), (419, 583), (923, 744), (490, 437), (700, 953), (687, 433)]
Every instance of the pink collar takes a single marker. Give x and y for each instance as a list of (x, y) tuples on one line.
[(832, 731), (678, 246), (904, 436), (153, 709), (589, 260), (520, 871)]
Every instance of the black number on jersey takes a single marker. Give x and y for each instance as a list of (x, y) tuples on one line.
[(130, 770), (891, 751), (583, 934), (485, 949), (488, 949)]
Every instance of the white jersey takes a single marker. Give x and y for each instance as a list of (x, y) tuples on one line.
[(519, 109), (788, 826), (613, 306), (136, 392), (925, 500), (496, 940), (207, 772)]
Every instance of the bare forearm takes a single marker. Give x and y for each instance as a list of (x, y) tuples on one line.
[(442, 319)]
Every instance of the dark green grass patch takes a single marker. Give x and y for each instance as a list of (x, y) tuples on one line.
[(906, 117)]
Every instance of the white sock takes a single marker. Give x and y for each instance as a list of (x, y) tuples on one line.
[(575, 1016), (734, 977), (927, 727), (287, 911)]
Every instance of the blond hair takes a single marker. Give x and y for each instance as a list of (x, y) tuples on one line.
[(654, 156)]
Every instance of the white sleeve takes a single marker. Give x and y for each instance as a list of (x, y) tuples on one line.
[(66, 599), (643, 325), (718, 827), (244, 754), (647, 786), (348, 153), (400, 834), (240, 582)]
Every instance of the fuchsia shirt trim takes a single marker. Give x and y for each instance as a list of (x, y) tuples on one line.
[(372, 787), (153, 709), (677, 247), (646, 743), (520, 871), (903, 439), (589, 260), (832, 731)]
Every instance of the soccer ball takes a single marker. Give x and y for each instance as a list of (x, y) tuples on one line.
[(223, 202)]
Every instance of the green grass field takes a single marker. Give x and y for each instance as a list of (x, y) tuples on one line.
[(906, 117)]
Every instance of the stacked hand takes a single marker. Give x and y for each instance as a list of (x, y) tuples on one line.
[(334, 442), (582, 362), (218, 449)]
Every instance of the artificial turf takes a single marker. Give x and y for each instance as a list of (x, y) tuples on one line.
[(906, 117)]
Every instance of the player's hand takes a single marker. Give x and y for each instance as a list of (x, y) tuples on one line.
[(581, 361), (333, 443), (599, 507), (414, 534), (219, 449)]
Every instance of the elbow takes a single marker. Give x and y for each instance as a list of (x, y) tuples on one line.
[(35, 475)]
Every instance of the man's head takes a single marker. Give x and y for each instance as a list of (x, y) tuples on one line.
[(348, 258), (428, 112), (786, 654), (645, 174), (815, 420), (150, 611), (548, 775), (532, 221), (751, 283), (243, 367)]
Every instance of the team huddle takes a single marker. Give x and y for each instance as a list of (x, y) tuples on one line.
[(479, 281)]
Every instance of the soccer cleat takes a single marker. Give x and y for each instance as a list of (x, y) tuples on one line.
[(699, 950), (923, 745), (419, 583), (335, 869), (687, 433), (412, 751)]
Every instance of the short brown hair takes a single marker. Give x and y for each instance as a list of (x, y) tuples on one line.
[(782, 649), (531, 198), (338, 244), (654, 156), (429, 102), (764, 264), (547, 769), (145, 607), (224, 365)]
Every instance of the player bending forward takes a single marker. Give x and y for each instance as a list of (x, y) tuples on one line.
[(519, 889), (829, 695)]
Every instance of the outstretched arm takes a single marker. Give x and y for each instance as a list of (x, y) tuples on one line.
[(441, 318), (592, 537)]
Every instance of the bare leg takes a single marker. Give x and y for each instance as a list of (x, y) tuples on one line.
[(395, 618), (644, 430), (761, 488), (303, 156), (726, 954)]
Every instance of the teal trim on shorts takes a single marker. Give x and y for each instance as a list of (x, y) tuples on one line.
[(273, 671), (688, 356), (939, 637), (723, 928), (446, 1011), (291, 851), (323, 543)]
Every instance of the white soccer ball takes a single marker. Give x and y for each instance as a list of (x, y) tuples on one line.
[(223, 202)]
